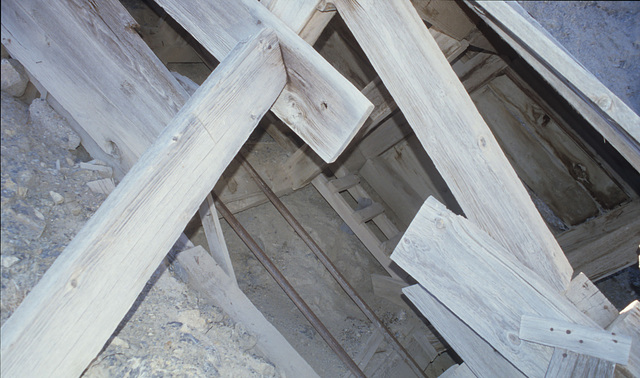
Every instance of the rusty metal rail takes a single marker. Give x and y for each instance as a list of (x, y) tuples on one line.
[(324, 259), (288, 289)]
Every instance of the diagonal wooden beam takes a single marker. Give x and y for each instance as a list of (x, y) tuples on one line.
[(451, 130), (318, 103), (66, 319)]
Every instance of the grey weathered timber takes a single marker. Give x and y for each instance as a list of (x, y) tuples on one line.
[(611, 117), (453, 133), (482, 283), (318, 103), (66, 319), (568, 364)]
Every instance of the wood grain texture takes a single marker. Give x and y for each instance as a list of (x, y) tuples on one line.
[(587, 298), (452, 131), (66, 319), (573, 365), (477, 353), (482, 283), (606, 244), (215, 238), (210, 280), (628, 322), (580, 339), (318, 103), (93, 62), (617, 123)]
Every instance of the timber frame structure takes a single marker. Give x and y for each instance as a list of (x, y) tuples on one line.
[(460, 115)]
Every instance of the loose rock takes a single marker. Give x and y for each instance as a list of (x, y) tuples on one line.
[(14, 77)]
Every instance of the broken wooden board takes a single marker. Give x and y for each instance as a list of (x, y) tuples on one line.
[(482, 283), (617, 123), (69, 47), (573, 365), (210, 280), (66, 319), (319, 104), (606, 244), (452, 131), (576, 338)]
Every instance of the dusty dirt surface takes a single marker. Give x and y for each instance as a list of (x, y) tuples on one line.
[(171, 331)]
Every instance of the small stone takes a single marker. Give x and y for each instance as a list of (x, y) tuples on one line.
[(70, 162), (119, 343), (8, 261), (56, 197), (14, 77), (22, 191)]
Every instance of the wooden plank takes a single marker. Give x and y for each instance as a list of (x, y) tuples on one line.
[(580, 339), (588, 299), (319, 104), (389, 288), (628, 322), (367, 351), (481, 357), (366, 214), (68, 316), (472, 274), (542, 172), (452, 131), (615, 121), (572, 365), (69, 46), (390, 132), (211, 281), (545, 126), (606, 244), (458, 371), (478, 70), (446, 16), (215, 238), (341, 184)]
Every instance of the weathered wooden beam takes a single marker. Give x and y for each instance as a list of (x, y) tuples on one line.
[(318, 103), (611, 117), (482, 283), (215, 238), (90, 59), (452, 131), (589, 299), (565, 363), (66, 319), (211, 281), (628, 322)]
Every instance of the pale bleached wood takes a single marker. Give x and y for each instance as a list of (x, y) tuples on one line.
[(611, 117), (587, 298), (319, 104), (628, 322), (68, 316), (477, 353), (567, 364), (580, 339), (211, 282), (458, 371), (606, 244), (482, 283), (90, 59), (215, 238), (452, 131)]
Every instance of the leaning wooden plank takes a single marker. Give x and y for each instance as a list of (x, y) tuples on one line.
[(628, 322), (606, 244), (611, 117), (69, 315), (453, 133), (317, 99), (211, 281), (69, 46), (481, 283), (587, 298), (573, 365), (215, 238), (481, 357), (576, 338)]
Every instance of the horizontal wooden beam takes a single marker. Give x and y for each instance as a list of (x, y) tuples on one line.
[(68, 316), (453, 133), (318, 103)]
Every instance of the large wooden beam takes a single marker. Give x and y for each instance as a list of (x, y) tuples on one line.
[(462, 147), (611, 117), (69, 315), (482, 283), (318, 103)]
